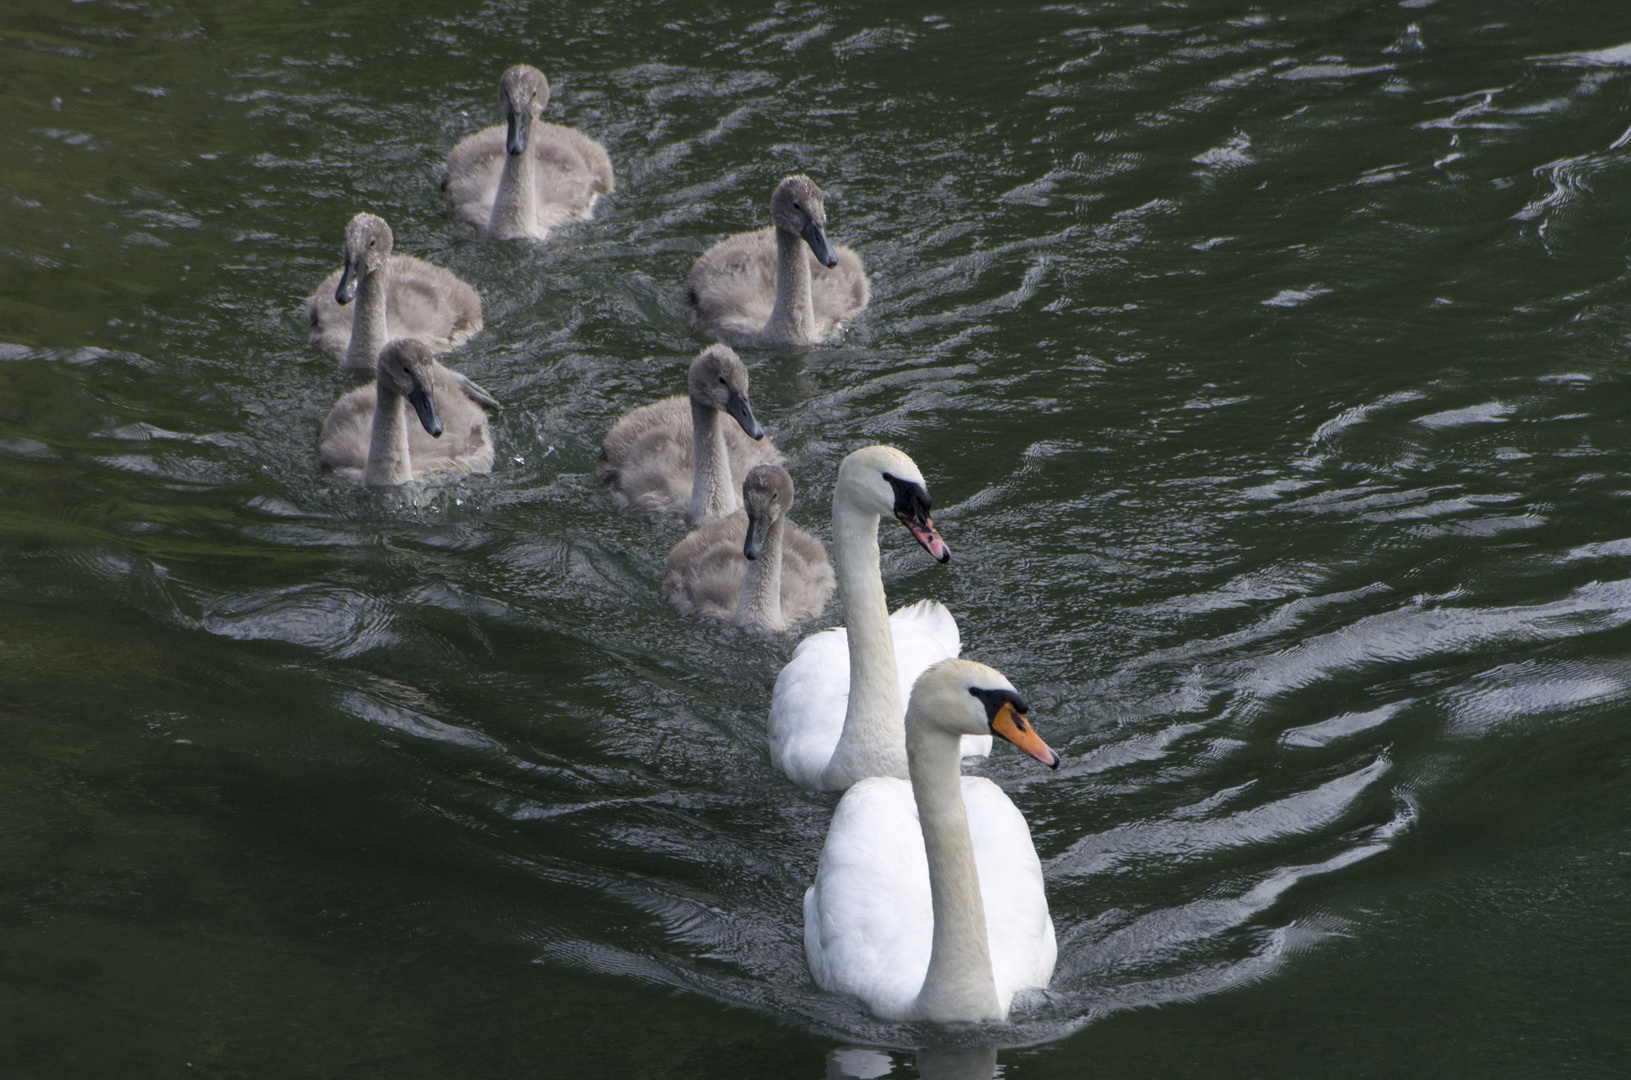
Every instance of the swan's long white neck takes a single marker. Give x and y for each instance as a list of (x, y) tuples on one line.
[(515, 204), (793, 316), (388, 459), (873, 742), (760, 605), (712, 494), (959, 985), (368, 330)]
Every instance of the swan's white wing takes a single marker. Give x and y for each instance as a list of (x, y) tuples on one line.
[(868, 922), (807, 707), (934, 635), (926, 633), (1017, 924), (812, 692)]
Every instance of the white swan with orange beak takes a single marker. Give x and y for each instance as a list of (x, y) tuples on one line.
[(928, 902)]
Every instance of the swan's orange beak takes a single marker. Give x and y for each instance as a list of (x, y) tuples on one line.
[(1010, 724)]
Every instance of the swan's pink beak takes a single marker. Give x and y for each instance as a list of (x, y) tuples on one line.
[(926, 535)]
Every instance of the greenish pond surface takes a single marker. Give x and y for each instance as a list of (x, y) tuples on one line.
[(1267, 365)]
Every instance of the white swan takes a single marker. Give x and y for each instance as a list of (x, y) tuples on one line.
[(675, 456), (523, 177), (928, 901), (396, 296), (837, 711), (367, 438), (781, 284), (738, 569)]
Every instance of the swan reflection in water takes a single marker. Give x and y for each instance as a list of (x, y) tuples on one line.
[(944, 1063)]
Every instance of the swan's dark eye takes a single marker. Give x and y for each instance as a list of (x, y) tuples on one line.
[(796, 205), (723, 380)]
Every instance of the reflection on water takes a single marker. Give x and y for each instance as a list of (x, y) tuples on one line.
[(856, 1063), (1265, 368)]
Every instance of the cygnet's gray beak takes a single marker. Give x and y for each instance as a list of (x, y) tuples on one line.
[(758, 530), (423, 404), (347, 290), (737, 405), (816, 237), (520, 127)]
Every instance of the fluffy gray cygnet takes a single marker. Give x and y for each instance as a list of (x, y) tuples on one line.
[(369, 439), (784, 284), (376, 296), (523, 177), (753, 568), (679, 456)]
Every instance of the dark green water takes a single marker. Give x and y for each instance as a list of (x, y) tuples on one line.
[(1267, 365)]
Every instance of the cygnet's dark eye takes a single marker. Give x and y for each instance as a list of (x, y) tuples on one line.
[(722, 379), (796, 205)]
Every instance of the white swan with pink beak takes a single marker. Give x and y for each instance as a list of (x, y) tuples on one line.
[(838, 712)]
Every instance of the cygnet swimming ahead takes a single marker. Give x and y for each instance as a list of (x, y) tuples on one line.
[(368, 438), (376, 296), (523, 177), (784, 284), (752, 568), (677, 456)]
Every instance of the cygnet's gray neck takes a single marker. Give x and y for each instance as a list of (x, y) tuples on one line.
[(369, 332), (793, 316), (515, 204), (389, 462), (712, 493), (760, 605)]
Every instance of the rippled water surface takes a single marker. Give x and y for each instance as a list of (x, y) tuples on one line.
[(1267, 368)]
